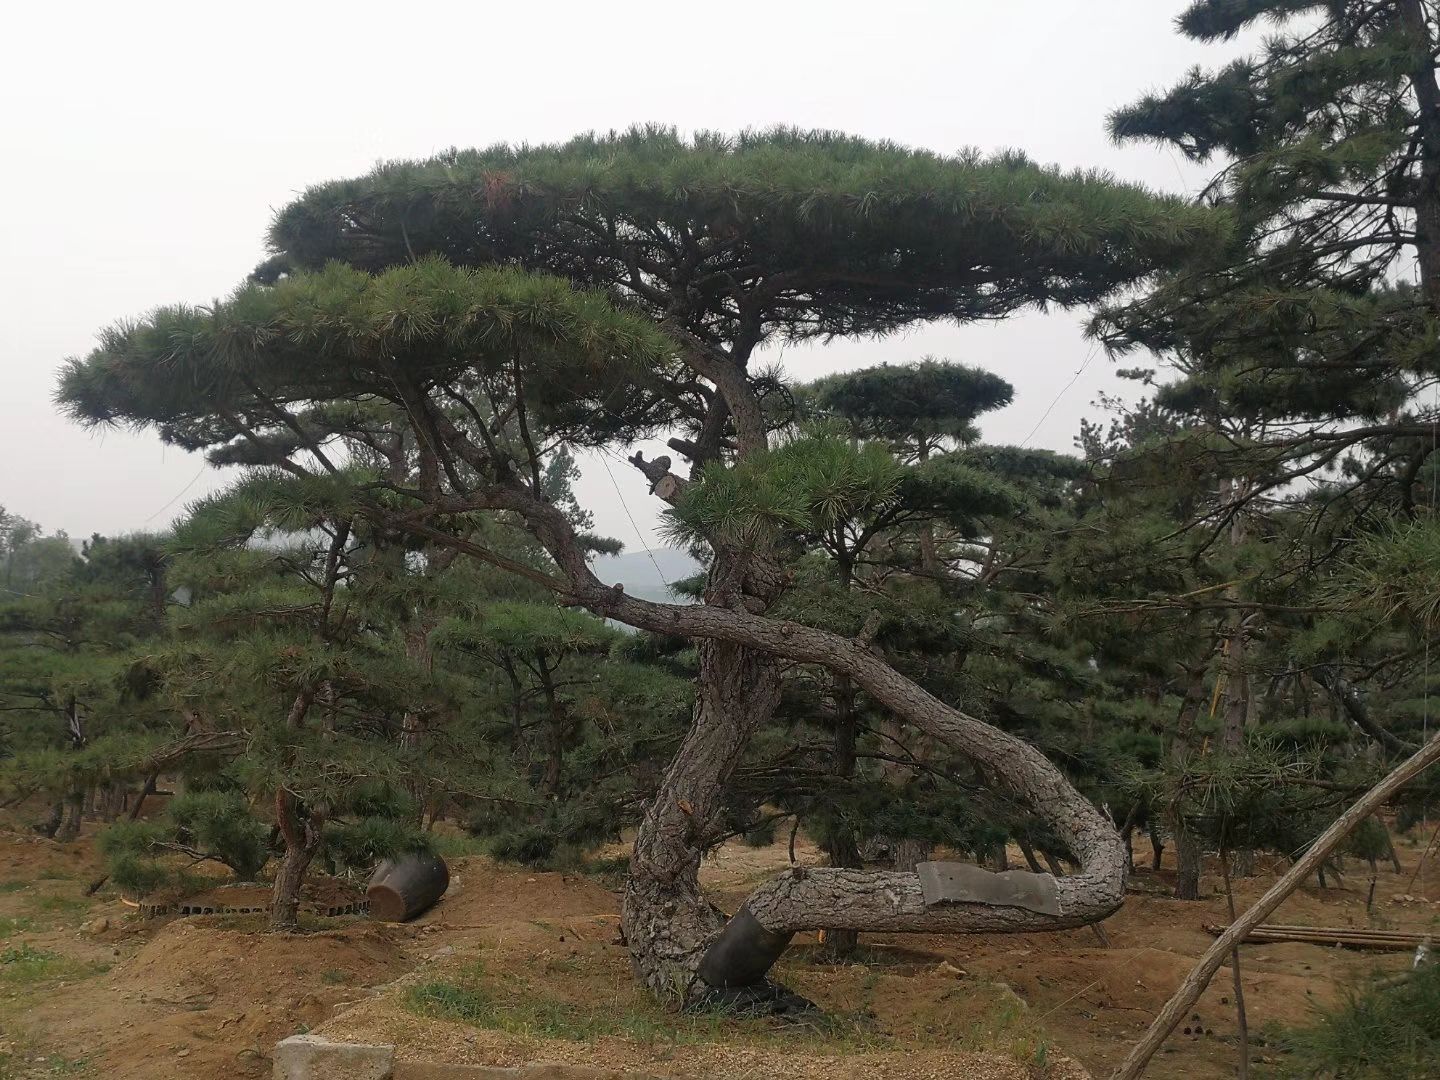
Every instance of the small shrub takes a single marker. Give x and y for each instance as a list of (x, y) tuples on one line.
[(137, 874), (529, 845), (457, 845), (1377, 1032), (220, 823), (453, 1003), (762, 835)]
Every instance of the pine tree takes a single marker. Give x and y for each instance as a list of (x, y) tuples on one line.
[(727, 244), (79, 720), (1310, 333)]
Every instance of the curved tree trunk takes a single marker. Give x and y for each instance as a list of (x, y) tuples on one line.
[(812, 899), (302, 841), (666, 920)]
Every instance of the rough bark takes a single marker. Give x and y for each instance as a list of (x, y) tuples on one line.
[(1188, 862), (666, 920), (74, 812), (909, 853), (1187, 845), (302, 840), (302, 835)]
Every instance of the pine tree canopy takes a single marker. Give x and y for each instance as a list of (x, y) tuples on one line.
[(205, 376), (917, 405), (792, 232)]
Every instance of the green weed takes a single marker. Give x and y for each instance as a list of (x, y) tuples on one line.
[(10, 926), (23, 964), (62, 906), (457, 845), (500, 1005), (1378, 1031)]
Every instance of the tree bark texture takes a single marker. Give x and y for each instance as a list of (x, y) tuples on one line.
[(667, 922), (302, 841)]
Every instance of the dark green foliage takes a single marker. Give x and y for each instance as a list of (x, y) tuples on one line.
[(197, 826), (343, 331), (1314, 335), (914, 407), (1381, 1030), (876, 236), (359, 845), (221, 823)]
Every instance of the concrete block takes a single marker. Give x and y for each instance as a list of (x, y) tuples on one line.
[(309, 1057)]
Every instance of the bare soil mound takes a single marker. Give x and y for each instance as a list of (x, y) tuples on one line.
[(527, 966), (201, 1000)]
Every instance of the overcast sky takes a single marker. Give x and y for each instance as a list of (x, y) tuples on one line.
[(149, 143)]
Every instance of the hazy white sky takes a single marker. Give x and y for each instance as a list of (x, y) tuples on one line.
[(148, 144)]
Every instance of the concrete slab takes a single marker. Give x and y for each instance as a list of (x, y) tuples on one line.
[(309, 1057)]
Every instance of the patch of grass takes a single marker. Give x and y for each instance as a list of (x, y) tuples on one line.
[(13, 886), (457, 845), (23, 964), (472, 998), (21, 1063), (11, 926), (335, 977), (1380, 1030), (61, 906)]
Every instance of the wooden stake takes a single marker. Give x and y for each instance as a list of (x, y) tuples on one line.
[(1241, 1025)]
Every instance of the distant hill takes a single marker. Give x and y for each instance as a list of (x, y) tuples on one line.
[(646, 573)]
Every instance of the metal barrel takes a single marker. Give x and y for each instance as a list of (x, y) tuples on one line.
[(407, 886)]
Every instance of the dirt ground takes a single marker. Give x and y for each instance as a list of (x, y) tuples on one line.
[(87, 988)]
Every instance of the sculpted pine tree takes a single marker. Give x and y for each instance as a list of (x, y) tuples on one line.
[(711, 248)]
